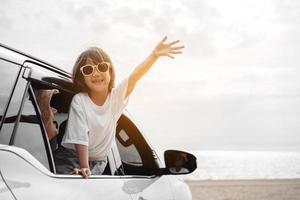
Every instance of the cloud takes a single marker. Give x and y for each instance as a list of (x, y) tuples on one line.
[(5, 22), (130, 17), (288, 12)]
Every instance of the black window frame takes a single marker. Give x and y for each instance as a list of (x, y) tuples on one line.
[(147, 154)]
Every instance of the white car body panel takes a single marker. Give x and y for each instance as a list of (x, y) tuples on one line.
[(149, 188), (180, 189), (5, 193), (25, 176), (29, 180)]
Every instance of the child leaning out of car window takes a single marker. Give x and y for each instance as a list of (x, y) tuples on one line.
[(94, 112)]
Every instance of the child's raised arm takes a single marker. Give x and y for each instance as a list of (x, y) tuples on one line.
[(161, 49)]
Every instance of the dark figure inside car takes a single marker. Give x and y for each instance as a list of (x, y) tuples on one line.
[(43, 98)]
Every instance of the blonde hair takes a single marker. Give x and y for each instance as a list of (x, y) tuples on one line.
[(97, 55)]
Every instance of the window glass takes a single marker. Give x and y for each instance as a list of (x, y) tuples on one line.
[(129, 154), (136, 156), (132, 163), (15, 102), (9, 73), (29, 133)]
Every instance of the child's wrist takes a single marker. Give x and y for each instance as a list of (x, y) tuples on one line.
[(154, 55), (84, 165)]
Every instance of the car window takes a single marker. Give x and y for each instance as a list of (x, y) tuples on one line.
[(129, 154), (11, 114), (131, 161), (29, 134), (9, 73), (136, 155), (52, 103)]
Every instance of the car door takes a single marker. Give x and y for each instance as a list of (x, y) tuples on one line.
[(29, 170), (139, 164), (5, 191)]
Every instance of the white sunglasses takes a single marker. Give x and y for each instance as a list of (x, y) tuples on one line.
[(89, 69)]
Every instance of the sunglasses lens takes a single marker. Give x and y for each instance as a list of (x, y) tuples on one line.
[(102, 67), (87, 70)]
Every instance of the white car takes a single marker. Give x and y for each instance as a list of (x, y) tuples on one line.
[(27, 167)]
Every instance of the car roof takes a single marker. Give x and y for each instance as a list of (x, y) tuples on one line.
[(18, 57)]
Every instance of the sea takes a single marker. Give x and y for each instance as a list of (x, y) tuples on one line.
[(239, 165)]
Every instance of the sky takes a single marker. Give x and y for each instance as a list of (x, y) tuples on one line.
[(236, 86)]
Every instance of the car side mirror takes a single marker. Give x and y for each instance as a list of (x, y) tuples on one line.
[(179, 162)]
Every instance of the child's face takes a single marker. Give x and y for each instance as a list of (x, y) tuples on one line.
[(97, 81)]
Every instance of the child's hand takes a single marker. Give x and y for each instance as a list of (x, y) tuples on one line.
[(164, 49), (85, 172)]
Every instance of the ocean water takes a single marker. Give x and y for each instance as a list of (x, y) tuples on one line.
[(217, 165)]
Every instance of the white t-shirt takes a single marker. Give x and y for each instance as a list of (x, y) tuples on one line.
[(93, 125)]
